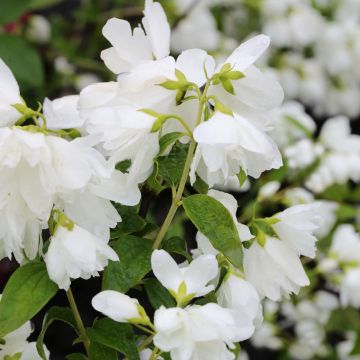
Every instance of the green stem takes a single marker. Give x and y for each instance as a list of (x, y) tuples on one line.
[(79, 323), (176, 201)]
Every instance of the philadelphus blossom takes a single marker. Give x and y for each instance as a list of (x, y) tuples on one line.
[(341, 160), (272, 264), (239, 295), (197, 332), (16, 345), (185, 282), (227, 144), (133, 47), (119, 307), (66, 258)]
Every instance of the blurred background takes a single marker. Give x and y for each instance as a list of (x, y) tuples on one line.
[(53, 48)]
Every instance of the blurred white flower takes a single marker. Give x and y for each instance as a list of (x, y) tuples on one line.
[(39, 29), (350, 288)]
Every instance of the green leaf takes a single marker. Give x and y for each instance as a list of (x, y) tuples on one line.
[(201, 186), (174, 85), (56, 313), (41, 4), (356, 348), (167, 141), (76, 356), (176, 245), (22, 59), (101, 352), (117, 336), (216, 223), (227, 85), (158, 295), (234, 75), (346, 212), (134, 264), (11, 10), (172, 165), (27, 291), (131, 221)]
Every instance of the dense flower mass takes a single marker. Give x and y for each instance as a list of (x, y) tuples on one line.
[(100, 184)]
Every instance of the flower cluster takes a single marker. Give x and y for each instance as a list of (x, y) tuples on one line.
[(304, 35)]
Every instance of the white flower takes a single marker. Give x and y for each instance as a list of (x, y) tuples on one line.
[(267, 337), (274, 269), (256, 92), (303, 153), (239, 295), (349, 289), (186, 34), (124, 134), (119, 307), (290, 123), (66, 258), (345, 245), (186, 282), (62, 113), (16, 343), (227, 144), (9, 95), (197, 332), (296, 226), (133, 47), (39, 29), (268, 190), (35, 169)]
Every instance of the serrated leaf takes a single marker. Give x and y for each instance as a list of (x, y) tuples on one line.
[(158, 295), (130, 221), (167, 141), (172, 165), (176, 245), (102, 352), (56, 313), (114, 335), (27, 291), (135, 254), (216, 223)]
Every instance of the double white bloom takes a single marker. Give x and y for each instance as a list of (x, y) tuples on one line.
[(274, 267), (75, 253)]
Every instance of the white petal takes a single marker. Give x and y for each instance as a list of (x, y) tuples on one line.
[(248, 52), (192, 63), (166, 270), (157, 29)]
